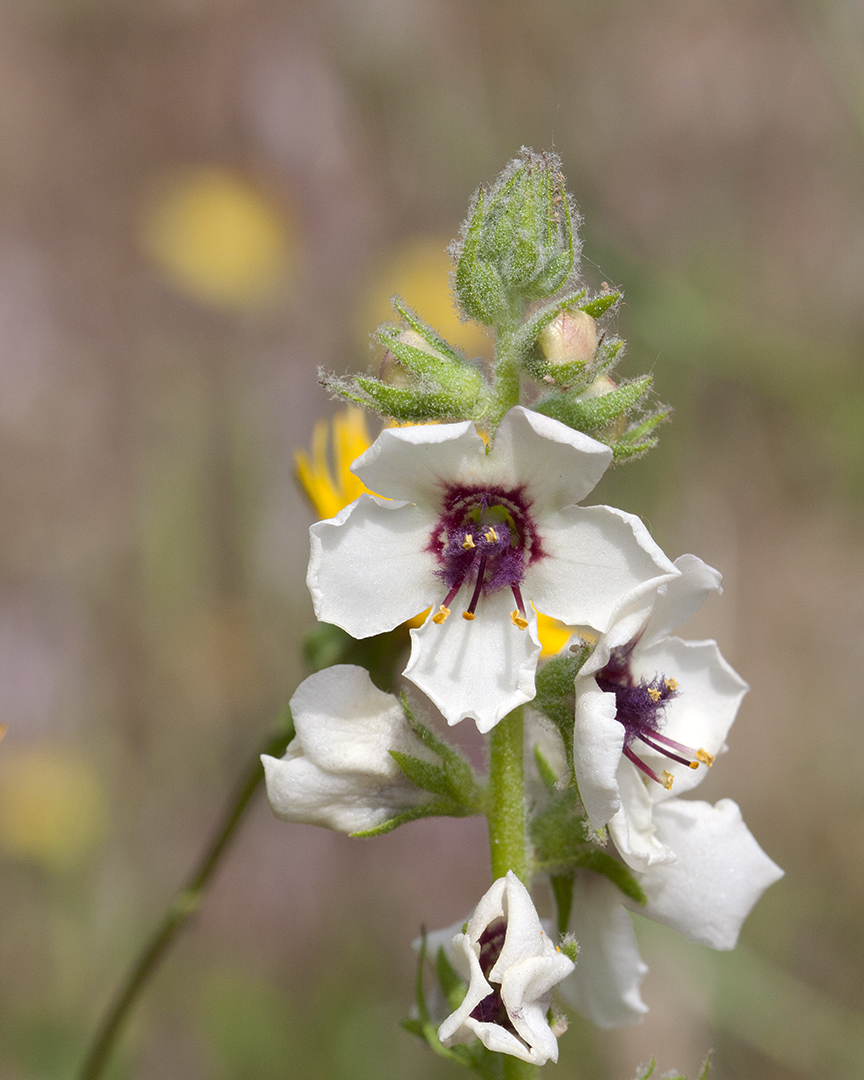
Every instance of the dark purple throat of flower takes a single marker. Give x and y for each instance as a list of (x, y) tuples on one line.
[(639, 708), (483, 541)]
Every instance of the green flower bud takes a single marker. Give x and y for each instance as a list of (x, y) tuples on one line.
[(518, 244)]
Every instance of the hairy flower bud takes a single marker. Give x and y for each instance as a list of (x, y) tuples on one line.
[(570, 338)]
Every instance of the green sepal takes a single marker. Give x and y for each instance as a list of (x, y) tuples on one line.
[(436, 808), (408, 403), (601, 862), (422, 773), (463, 786), (588, 414), (562, 890), (428, 333), (547, 773), (637, 439), (601, 303), (478, 286), (453, 376)]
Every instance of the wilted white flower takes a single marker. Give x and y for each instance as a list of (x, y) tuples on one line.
[(492, 537), (510, 966), (338, 770)]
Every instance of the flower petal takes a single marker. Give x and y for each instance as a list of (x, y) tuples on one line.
[(632, 828), (557, 465), (609, 970), (415, 463), (481, 669), (595, 557), (369, 567), (597, 744), (719, 874), (709, 696), (682, 597)]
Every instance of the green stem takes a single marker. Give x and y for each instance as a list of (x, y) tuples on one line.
[(506, 812), (508, 377), (515, 1069), (185, 904)]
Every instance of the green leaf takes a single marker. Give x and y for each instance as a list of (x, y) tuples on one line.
[(590, 413), (422, 773)]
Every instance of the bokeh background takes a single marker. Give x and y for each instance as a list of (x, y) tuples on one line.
[(201, 201)]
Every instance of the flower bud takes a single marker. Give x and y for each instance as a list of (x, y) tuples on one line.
[(571, 338), (518, 244)]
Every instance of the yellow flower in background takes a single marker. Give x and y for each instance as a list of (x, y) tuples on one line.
[(418, 271), (216, 237), (52, 808), (343, 440), (331, 489)]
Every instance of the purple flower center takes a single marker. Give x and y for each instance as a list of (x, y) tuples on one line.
[(491, 1010), (483, 540), (640, 706)]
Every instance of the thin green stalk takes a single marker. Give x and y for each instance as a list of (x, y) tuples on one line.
[(185, 904), (508, 377), (506, 813)]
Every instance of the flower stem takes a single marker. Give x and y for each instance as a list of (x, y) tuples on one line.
[(508, 380), (185, 904), (516, 1069), (506, 812)]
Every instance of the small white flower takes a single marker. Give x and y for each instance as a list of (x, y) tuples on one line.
[(652, 712), (338, 770), (511, 967), (491, 537)]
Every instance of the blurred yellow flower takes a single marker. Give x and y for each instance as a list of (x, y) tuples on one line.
[(52, 809), (419, 271), (345, 437), (216, 237)]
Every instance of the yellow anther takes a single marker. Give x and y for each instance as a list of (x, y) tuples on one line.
[(469, 615), (667, 780), (671, 684), (441, 614), (519, 620), (693, 764), (468, 542), (490, 536), (653, 693), (705, 757)]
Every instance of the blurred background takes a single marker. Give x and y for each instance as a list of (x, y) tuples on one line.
[(201, 201)]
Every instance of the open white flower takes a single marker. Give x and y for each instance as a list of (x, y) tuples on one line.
[(492, 537), (511, 967), (338, 770), (652, 712)]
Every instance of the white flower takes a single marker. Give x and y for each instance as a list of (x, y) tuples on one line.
[(488, 536), (706, 893), (338, 770), (652, 712), (511, 967)]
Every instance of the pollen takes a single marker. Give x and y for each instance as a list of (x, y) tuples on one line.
[(705, 757), (653, 693), (468, 542), (671, 684), (469, 615), (441, 614), (519, 620), (668, 779), (490, 536)]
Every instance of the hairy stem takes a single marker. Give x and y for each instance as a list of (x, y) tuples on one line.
[(185, 904), (506, 813)]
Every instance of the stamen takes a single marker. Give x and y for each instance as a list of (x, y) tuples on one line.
[(665, 780), (441, 614), (667, 753), (653, 693), (699, 755), (490, 536), (478, 587), (704, 757), (671, 684), (468, 542), (519, 620)]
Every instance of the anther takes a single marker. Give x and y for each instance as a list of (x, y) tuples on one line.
[(469, 615), (519, 620), (490, 536), (468, 542), (668, 778), (653, 693), (441, 614), (704, 757), (671, 684)]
